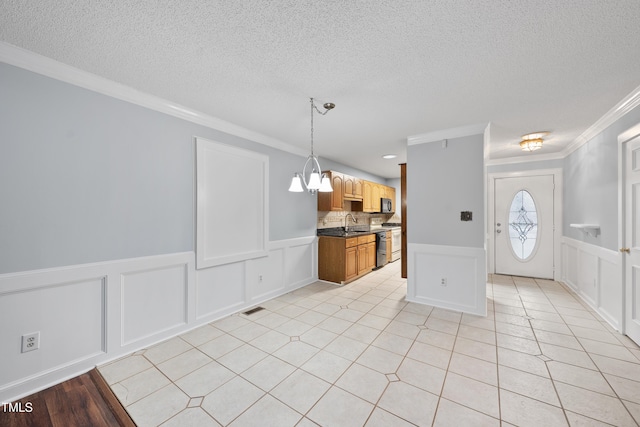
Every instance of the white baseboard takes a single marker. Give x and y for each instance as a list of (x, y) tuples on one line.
[(90, 314), (594, 274), (462, 269)]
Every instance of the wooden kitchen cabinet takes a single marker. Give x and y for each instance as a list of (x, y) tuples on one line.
[(352, 188), (371, 196), (342, 260), (363, 195), (389, 248), (362, 259), (351, 263), (333, 201), (371, 256)]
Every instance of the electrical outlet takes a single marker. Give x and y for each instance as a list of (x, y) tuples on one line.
[(260, 278), (30, 342), (443, 281)]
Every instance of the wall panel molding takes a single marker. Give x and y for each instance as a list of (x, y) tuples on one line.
[(122, 306), (449, 277), (593, 273)]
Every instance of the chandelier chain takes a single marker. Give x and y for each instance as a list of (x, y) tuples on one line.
[(327, 106), (312, 107)]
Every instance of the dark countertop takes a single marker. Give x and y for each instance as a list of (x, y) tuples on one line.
[(339, 232)]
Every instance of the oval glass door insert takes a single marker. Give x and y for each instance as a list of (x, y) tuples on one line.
[(523, 225)]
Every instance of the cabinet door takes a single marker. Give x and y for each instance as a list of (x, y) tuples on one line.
[(332, 201), (337, 182), (389, 248), (349, 186), (367, 194), (357, 185), (371, 255), (362, 258), (351, 265), (375, 197)]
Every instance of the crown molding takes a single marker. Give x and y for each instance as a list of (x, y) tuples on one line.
[(630, 102), (439, 135), (48, 67), (526, 159)]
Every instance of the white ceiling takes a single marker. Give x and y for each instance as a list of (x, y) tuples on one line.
[(394, 68)]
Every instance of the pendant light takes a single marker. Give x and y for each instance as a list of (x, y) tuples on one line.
[(317, 180)]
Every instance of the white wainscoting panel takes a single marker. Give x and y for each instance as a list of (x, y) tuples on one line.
[(594, 273), (153, 301), (300, 260), (462, 269), (220, 290), (90, 314), (69, 317), (265, 276)]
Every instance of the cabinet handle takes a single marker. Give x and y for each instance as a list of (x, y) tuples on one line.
[(625, 250)]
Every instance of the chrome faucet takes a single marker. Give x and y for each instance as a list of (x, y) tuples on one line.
[(346, 221)]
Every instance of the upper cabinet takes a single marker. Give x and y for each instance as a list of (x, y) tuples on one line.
[(364, 195), (333, 201), (352, 188)]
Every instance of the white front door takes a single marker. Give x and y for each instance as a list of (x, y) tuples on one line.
[(524, 226), (632, 239)]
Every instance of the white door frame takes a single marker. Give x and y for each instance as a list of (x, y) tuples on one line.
[(623, 138), (557, 215)]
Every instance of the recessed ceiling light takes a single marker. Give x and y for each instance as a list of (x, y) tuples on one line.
[(389, 156)]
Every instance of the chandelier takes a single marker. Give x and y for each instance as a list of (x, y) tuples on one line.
[(317, 180)]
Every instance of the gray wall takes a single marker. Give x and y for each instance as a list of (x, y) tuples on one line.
[(85, 177), (591, 185), (442, 182)]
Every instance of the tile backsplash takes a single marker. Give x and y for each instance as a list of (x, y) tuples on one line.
[(336, 218)]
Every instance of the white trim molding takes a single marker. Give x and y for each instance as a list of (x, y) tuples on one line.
[(594, 274), (623, 107), (449, 277), (91, 314), (48, 67)]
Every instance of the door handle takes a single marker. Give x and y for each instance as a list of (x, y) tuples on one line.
[(625, 250)]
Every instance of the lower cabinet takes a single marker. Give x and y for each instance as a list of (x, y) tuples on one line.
[(351, 260), (342, 259)]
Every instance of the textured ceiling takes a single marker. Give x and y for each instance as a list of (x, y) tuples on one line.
[(393, 68)]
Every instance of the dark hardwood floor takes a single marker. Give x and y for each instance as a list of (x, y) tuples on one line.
[(83, 401)]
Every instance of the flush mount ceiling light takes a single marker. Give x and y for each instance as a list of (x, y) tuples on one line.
[(532, 141), (316, 182), (389, 156)]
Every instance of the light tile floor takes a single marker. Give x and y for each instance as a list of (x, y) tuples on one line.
[(361, 355)]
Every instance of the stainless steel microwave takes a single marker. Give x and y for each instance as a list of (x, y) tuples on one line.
[(386, 206)]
